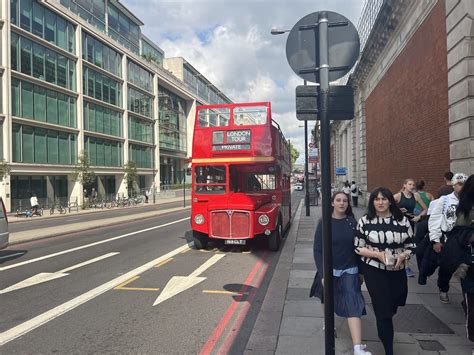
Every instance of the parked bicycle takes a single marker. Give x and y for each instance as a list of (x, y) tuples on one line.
[(28, 212), (58, 208)]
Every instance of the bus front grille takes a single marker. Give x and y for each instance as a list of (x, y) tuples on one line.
[(230, 224)]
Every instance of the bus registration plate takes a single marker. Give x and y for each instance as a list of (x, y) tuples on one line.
[(235, 241)]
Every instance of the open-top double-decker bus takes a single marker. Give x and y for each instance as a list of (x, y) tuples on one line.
[(241, 169)]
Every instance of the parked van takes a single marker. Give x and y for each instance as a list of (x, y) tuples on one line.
[(4, 235)]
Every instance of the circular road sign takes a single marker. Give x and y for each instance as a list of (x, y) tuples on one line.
[(302, 46)]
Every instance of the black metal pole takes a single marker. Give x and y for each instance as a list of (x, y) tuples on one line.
[(306, 182), (152, 188), (326, 183), (184, 187)]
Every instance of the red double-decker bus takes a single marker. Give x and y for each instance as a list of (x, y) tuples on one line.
[(241, 169)]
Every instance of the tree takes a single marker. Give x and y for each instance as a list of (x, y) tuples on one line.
[(82, 172), (5, 169), (294, 154), (130, 170), (149, 57)]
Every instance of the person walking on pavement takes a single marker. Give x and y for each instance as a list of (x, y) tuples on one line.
[(34, 205), (346, 188), (407, 199), (447, 187), (355, 194), (348, 300), (424, 195), (384, 241), (442, 221)]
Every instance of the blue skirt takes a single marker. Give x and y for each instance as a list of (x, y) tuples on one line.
[(348, 299)]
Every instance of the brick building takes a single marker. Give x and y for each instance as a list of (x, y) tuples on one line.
[(412, 95)]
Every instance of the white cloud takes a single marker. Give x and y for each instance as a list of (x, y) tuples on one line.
[(230, 43)]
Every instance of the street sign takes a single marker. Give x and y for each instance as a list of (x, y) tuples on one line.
[(302, 49), (341, 102), (340, 171), (313, 155)]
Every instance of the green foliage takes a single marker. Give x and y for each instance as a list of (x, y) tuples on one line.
[(294, 154), (130, 170), (149, 57), (82, 172), (5, 168)]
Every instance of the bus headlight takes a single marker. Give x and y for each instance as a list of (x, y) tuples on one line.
[(263, 219), (199, 219)]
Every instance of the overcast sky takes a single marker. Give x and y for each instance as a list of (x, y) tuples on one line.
[(229, 42)]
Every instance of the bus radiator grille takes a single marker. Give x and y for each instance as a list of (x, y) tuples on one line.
[(230, 224)]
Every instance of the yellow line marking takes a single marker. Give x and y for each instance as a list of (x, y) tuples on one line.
[(122, 286), (234, 160), (185, 251), (164, 262), (220, 292), (208, 250)]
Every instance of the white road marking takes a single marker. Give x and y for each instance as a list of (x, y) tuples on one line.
[(48, 276), (47, 316), (178, 284), (89, 245)]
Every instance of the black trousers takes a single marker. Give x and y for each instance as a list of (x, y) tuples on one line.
[(355, 201), (443, 279), (388, 290)]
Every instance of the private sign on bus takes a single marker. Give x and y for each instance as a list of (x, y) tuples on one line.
[(241, 175)]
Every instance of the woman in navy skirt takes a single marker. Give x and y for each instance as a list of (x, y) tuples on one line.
[(348, 300)]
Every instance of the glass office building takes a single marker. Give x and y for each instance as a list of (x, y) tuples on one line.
[(81, 78)]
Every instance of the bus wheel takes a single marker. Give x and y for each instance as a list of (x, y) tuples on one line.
[(200, 240), (274, 240)]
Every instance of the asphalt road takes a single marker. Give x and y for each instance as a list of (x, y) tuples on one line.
[(111, 290), (20, 224)]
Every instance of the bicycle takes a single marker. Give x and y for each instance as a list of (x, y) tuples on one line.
[(59, 208), (28, 212)]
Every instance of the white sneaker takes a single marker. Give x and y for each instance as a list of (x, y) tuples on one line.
[(360, 350)]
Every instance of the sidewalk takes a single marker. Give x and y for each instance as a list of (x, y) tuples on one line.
[(106, 220), (292, 323)]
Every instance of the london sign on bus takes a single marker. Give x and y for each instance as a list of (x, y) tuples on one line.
[(241, 175)]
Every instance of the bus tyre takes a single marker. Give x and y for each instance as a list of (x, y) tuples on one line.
[(200, 240), (274, 240)]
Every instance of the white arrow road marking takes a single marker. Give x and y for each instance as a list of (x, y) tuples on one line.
[(90, 245), (48, 276), (179, 284), (47, 316)]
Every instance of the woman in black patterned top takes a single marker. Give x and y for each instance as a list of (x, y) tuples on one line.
[(384, 241)]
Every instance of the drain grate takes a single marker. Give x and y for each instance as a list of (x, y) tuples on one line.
[(431, 345), (416, 318)]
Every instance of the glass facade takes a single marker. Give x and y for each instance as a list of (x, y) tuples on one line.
[(202, 89), (33, 59), (140, 103), (103, 152), (141, 155), (40, 104), (43, 146), (122, 29), (172, 120), (151, 54), (95, 52), (140, 77), (140, 130), (42, 22), (101, 87), (93, 11), (22, 187), (101, 119)]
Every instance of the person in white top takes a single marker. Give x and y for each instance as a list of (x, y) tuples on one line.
[(354, 194), (442, 220), (34, 204), (347, 188)]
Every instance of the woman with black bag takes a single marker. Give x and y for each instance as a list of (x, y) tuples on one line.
[(348, 300)]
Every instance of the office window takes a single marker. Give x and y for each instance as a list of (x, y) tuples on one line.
[(26, 47), (62, 71), (51, 59), (38, 61), (50, 26), (96, 52), (61, 27), (27, 100), (38, 14), (41, 149), (52, 106), (53, 147), (101, 87), (103, 152), (14, 51), (14, 12), (70, 38), (64, 152), (16, 143), (140, 103), (25, 14), (27, 138), (39, 104), (16, 97), (72, 74), (140, 77), (63, 109)]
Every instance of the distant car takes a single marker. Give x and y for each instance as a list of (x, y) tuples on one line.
[(4, 235), (299, 187)]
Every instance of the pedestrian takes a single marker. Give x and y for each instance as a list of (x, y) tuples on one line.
[(355, 194), (425, 196), (406, 201), (442, 221), (34, 205), (147, 194), (384, 241), (94, 195), (348, 300), (346, 188), (446, 188)]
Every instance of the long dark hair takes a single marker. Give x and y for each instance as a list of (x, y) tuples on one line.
[(394, 210), (349, 212), (466, 198)]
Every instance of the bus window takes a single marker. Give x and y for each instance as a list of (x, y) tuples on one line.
[(255, 115), (217, 117), (210, 179), (259, 182)]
